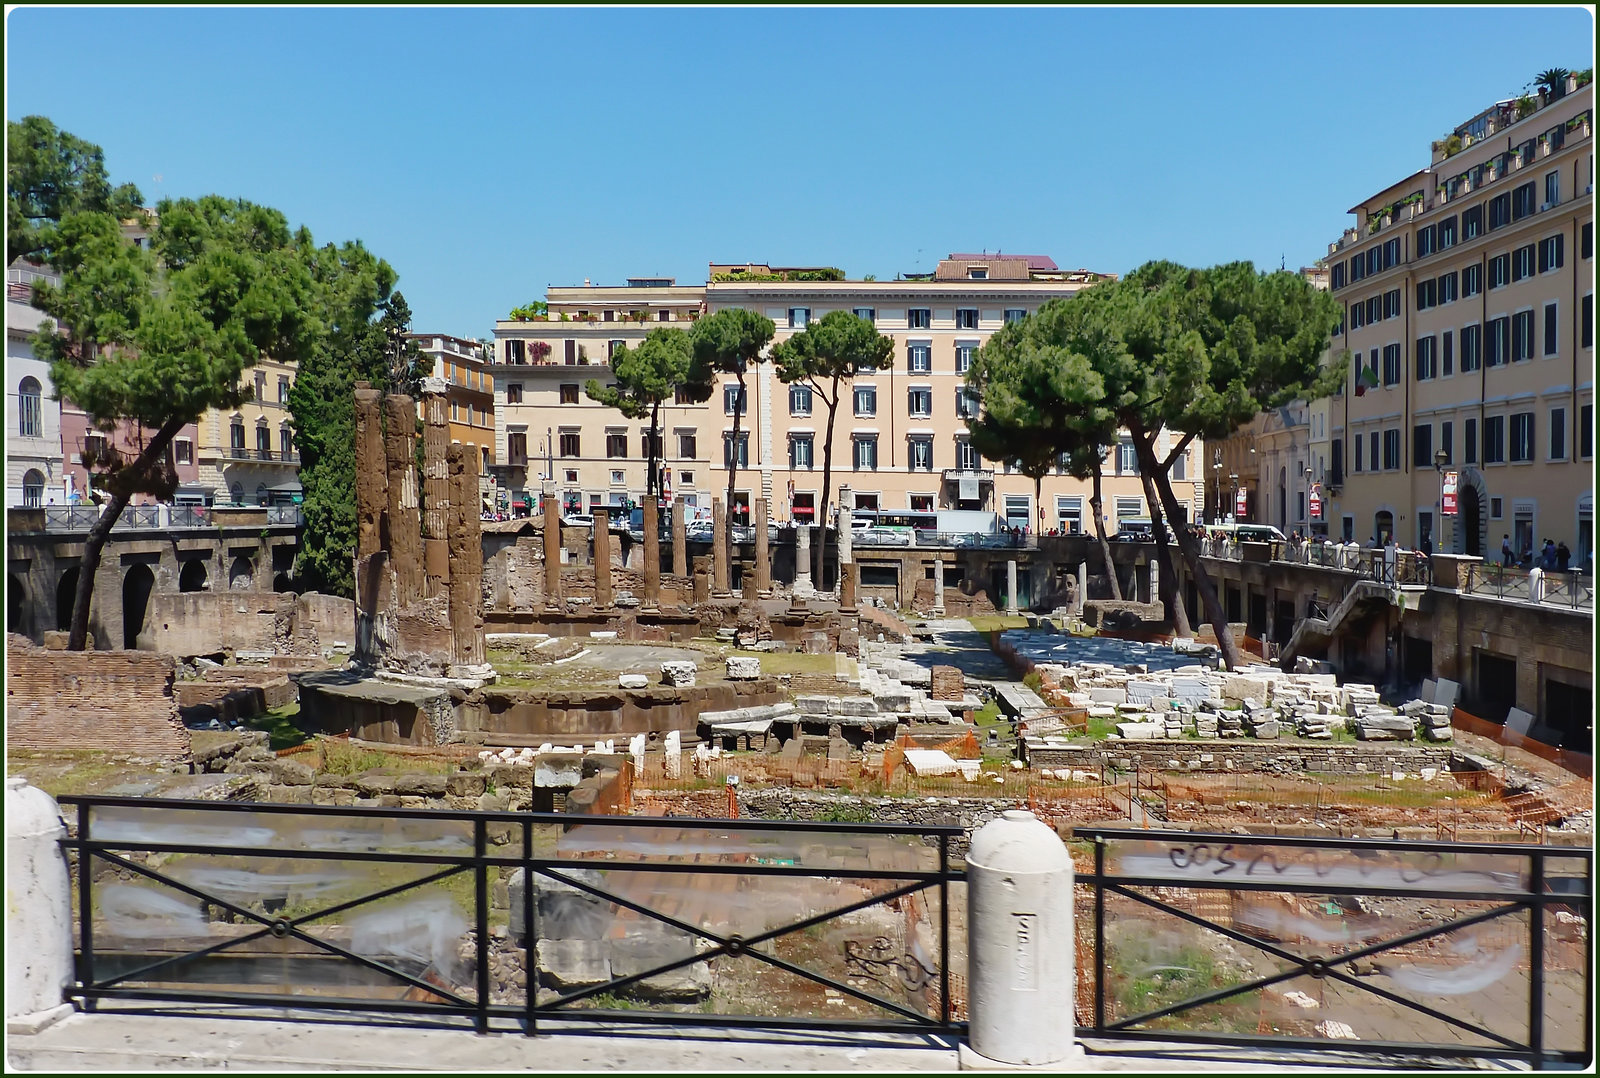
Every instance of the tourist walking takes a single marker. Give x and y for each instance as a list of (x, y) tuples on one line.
[(1507, 557), (1563, 557)]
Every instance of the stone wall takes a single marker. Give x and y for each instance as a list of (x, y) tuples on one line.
[(277, 623), (530, 716), (118, 700), (1231, 755)]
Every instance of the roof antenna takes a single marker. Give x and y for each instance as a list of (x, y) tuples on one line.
[(1282, 262)]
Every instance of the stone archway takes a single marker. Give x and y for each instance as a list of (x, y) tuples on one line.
[(137, 585), (193, 576), (241, 574), (16, 605), (66, 592)]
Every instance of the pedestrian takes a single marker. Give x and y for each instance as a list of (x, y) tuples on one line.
[(1563, 556), (1547, 557), (1507, 557)]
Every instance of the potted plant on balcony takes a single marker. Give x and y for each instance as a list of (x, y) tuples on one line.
[(1526, 107), (1552, 82)]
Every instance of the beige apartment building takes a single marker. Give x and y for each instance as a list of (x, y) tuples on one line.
[(247, 456), (469, 388), (1468, 290), (900, 439)]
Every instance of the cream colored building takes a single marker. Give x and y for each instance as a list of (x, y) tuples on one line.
[(900, 437), (1468, 289), (463, 365), (247, 456)]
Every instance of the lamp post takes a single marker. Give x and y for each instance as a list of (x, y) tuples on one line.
[(1305, 474), (1233, 487), (1216, 472), (1440, 459)]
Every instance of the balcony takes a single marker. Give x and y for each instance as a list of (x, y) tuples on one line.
[(242, 454), (981, 475)]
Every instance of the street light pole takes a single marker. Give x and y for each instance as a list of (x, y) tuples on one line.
[(1440, 458), (1233, 509)]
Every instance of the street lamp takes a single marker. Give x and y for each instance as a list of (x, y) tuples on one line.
[(1440, 459), (1216, 472), (1233, 485), (1306, 476)]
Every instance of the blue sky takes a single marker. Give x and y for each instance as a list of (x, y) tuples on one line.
[(488, 153)]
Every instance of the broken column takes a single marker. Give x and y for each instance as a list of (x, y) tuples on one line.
[(652, 555), (845, 518), (672, 752), (436, 487), (465, 552), (680, 541), (1083, 585), (552, 546), (938, 587), (802, 561), (849, 573), (372, 488), (763, 554), (602, 559), (1011, 585), (719, 548), (404, 516)]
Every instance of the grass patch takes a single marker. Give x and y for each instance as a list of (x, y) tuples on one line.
[(1191, 972), (66, 771), (1100, 729), (988, 623), (988, 714), (282, 730), (774, 663), (343, 758)]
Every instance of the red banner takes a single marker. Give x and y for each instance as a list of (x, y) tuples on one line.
[(1241, 502), (1447, 494), (1316, 501)]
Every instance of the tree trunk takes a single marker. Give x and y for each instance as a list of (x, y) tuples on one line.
[(1212, 609), (154, 450), (733, 462), (655, 427), (1100, 530), (1167, 586), (819, 555)]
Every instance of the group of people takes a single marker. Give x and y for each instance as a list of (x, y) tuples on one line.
[(1553, 557)]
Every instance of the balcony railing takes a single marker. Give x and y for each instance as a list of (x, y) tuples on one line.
[(259, 455), (80, 518), (982, 475)]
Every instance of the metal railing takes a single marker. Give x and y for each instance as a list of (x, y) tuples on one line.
[(1467, 950), (1562, 588), (75, 518), (813, 925)]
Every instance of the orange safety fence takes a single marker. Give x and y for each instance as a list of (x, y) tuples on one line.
[(1579, 763)]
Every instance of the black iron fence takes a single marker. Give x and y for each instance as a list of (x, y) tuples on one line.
[(1392, 949), (366, 910)]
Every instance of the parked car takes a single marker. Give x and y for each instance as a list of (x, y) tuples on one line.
[(698, 530), (578, 520)]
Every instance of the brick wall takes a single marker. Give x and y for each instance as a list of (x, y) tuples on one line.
[(947, 683), (819, 684), (119, 700)]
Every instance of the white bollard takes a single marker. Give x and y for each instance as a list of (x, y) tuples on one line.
[(1536, 584), (1019, 939), (38, 910)]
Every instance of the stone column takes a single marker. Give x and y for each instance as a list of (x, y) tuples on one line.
[(405, 518), (849, 573), (39, 921), (719, 548), (680, 541), (1083, 584), (1011, 585), (846, 516), (372, 488), (802, 561), (465, 552), (552, 546), (652, 555), (763, 553), (602, 559), (938, 587), (437, 486)]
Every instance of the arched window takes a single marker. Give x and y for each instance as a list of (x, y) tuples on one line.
[(32, 488), (236, 490), (29, 424), (261, 494)]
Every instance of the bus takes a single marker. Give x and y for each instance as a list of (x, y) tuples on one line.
[(903, 527)]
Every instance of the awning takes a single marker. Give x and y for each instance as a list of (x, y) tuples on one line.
[(291, 487)]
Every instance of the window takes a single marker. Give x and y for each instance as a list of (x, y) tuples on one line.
[(1069, 513), (744, 450), (1558, 434), (1522, 201), (616, 445), (514, 393), (1499, 342), (1551, 339), (1127, 459), (1499, 271), (1447, 288), (455, 411), (1427, 294), (1522, 262), (1357, 310), (517, 448), (1359, 443), (1494, 439), (965, 350), (1469, 443), (1588, 321), (183, 451), (1336, 475), (1497, 508), (1472, 223), (1426, 238), (866, 400), (919, 358), (1422, 444), (261, 386), (686, 478), (1358, 268), (919, 318), (236, 437), (1015, 314), (735, 399), (570, 444), (1447, 441), (919, 400), (967, 458), (1180, 466), (1586, 431), (1499, 212), (608, 316), (686, 446), (800, 451), (1447, 233), (920, 456), (1391, 253), (516, 352), (799, 317), (799, 400), (1551, 256), (1427, 358), (1521, 437), (1586, 243), (1338, 281), (966, 318), (1521, 336), (868, 314), (1391, 364), (966, 403), (977, 273), (1374, 309), (1391, 303), (285, 443), (618, 477), (484, 470), (283, 389), (1448, 339), (1471, 280), (30, 395), (571, 350), (866, 452), (1471, 348), (1391, 449)]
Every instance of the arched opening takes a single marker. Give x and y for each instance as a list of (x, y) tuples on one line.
[(32, 488), (1471, 521), (236, 490), (281, 582), (137, 585), (1383, 526), (193, 576), (66, 592), (16, 605), (30, 422), (241, 574)]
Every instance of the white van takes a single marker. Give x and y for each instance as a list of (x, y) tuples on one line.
[(1247, 533)]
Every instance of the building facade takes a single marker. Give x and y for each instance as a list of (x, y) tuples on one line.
[(900, 437), (464, 367), (1468, 291), (35, 472), (247, 456)]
